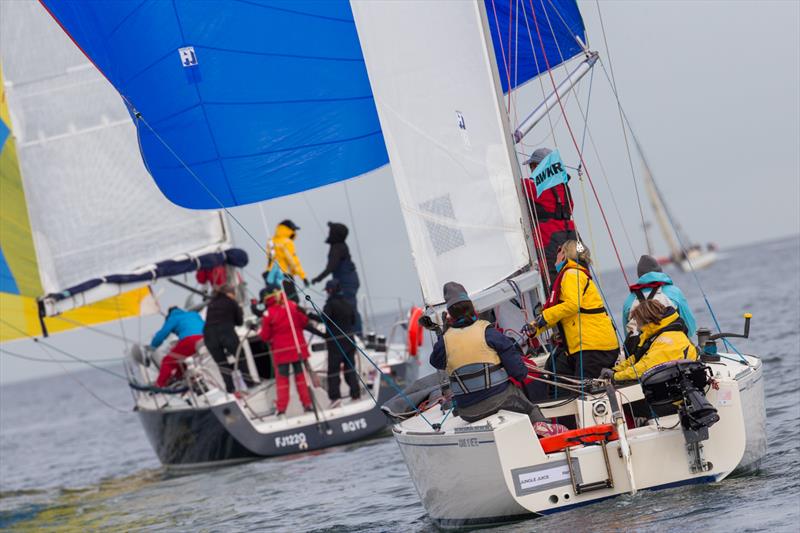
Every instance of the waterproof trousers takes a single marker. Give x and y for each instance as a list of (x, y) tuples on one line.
[(222, 341), (342, 355), (172, 364), (282, 386), (349, 292), (593, 362), (511, 399)]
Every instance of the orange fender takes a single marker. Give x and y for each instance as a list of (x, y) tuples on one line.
[(414, 338)]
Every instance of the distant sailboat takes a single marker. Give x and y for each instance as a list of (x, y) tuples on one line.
[(683, 253)]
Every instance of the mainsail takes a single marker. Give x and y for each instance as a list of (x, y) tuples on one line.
[(79, 205), (432, 66)]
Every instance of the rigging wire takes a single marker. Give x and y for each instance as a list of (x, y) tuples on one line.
[(575, 143), (622, 125), (371, 315)]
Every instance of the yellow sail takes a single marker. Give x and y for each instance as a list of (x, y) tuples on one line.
[(19, 272)]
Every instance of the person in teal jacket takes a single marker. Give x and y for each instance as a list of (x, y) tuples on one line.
[(653, 284), (188, 327)]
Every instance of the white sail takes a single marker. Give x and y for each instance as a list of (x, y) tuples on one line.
[(432, 72), (94, 210)]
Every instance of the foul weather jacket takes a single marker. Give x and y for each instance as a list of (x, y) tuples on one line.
[(340, 264), (581, 313), (664, 346), (283, 252), (673, 293), (182, 323), (285, 334)]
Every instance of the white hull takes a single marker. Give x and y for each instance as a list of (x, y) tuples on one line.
[(469, 474), (699, 260)]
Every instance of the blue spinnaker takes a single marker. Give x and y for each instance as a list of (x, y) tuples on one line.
[(513, 25), (241, 101)]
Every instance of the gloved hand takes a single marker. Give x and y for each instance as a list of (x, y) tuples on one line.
[(306, 283), (607, 374)]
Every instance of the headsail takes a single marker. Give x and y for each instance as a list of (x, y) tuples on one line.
[(92, 210), (432, 71), (19, 270)]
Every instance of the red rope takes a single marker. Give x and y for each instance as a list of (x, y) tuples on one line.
[(575, 141)]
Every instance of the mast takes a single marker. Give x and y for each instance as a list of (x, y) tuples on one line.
[(661, 216)]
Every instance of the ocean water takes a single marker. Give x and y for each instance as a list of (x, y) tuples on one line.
[(68, 462)]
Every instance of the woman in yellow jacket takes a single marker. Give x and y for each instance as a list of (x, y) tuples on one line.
[(281, 251), (576, 308), (663, 339)]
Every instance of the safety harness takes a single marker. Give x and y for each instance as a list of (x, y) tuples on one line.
[(477, 377), (677, 325), (555, 293), (638, 289)]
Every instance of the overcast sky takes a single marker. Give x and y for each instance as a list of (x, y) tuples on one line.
[(713, 91)]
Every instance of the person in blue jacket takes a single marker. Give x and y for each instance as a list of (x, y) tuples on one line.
[(188, 327), (653, 284)]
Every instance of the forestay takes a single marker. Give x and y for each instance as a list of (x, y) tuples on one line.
[(93, 209), (431, 69)]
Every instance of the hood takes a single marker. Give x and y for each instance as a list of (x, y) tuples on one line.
[(651, 277), (337, 233), (670, 316), (283, 232)]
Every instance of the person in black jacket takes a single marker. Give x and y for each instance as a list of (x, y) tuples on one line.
[(222, 316), (341, 351), (341, 267)]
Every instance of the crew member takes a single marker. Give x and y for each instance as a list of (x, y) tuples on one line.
[(188, 327), (341, 318), (282, 328), (341, 267), (479, 360), (653, 284), (282, 252), (663, 339), (552, 215), (222, 317), (576, 307)]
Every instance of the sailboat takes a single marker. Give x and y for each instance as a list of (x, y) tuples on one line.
[(688, 256), (439, 71), (86, 232)]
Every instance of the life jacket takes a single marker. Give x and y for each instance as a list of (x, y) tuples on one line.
[(675, 325), (558, 208), (638, 289), (555, 293), (471, 363)]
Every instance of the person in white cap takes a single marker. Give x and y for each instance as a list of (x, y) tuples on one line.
[(551, 215)]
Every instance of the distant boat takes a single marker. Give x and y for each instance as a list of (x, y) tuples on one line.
[(687, 259)]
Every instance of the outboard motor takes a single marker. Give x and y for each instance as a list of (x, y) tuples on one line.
[(684, 383)]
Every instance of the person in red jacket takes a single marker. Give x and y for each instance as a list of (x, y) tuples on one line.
[(551, 215), (282, 328)]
